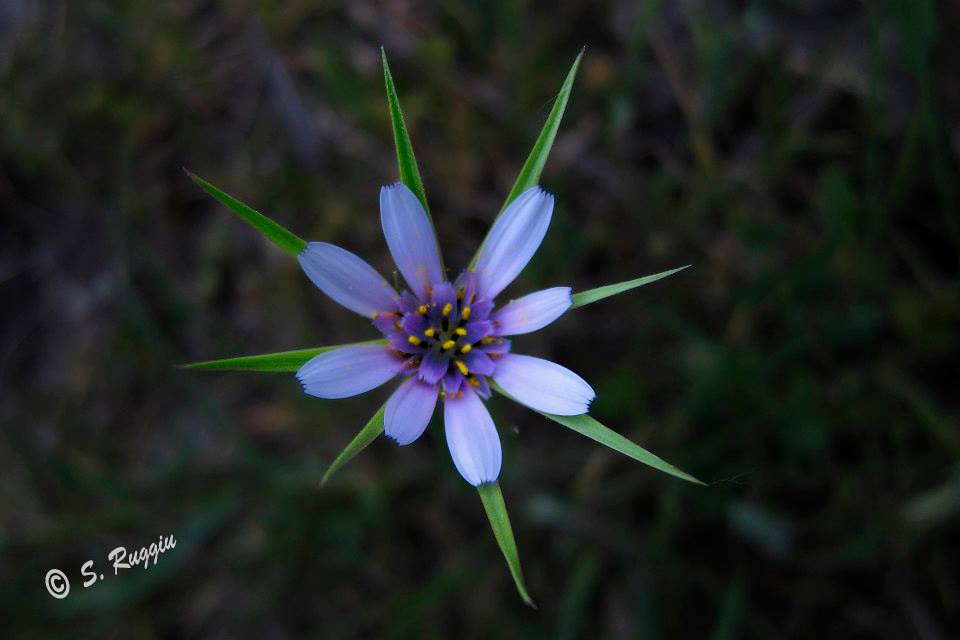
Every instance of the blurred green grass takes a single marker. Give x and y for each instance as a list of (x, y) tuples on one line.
[(801, 156)]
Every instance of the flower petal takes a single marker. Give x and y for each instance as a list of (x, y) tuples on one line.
[(533, 311), (472, 438), (543, 385), (348, 371), (513, 240), (409, 409), (433, 367), (411, 239), (347, 278)]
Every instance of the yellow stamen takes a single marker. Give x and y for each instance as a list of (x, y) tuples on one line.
[(449, 344), (487, 340), (374, 315), (466, 348), (414, 340), (466, 313), (443, 394), (474, 382), (447, 308), (461, 331), (462, 367), (429, 332), (422, 310)]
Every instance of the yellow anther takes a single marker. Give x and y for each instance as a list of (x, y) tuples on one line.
[(466, 313), (447, 308), (461, 331), (462, 367), (474, 382), (423, 309), (374, 315), (466, 348), (487, 340), (443, 394), (414, 340), (449, 344), (460, 293), (429, 332)]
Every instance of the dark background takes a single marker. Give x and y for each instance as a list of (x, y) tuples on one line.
[(802, 156)]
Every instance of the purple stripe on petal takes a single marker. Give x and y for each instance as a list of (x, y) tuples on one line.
[(477, 329), (498, 346), (452, 381), (478, 362), (347, 279), (349, 371), (433, 367), (409, 409), (414, 325), (533, 311), (543, 385), (472, 438), (513, 240), (411, 239)]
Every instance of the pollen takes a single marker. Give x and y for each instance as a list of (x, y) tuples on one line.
[(466, 348), (462, 367), (466, 313), (474, 382), (422, 310), (461, 331), (443, 394), (429, 332), (449, 344), (447, 308), (374, 315), (487, 340), (414, 340)]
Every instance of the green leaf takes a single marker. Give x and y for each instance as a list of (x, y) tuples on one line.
[(533, 167), (269, 362), (593, 295), (588, 426), (496, 510), (279, 235), (363, 439), (409, 173)]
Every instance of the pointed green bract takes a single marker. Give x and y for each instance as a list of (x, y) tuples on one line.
[(283, 361), (496, 509), (409, 172), (533, 167), (279, 235), (588, 426), (593, 295), (362, 440)]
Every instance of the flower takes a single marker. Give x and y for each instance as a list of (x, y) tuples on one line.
[(447, 340)]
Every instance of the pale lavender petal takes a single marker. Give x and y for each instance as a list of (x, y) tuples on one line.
[(347, 279), (543, 385), (472, 438), (533, 311), (411, 239), (409, 409), (348, 371), (433, 367), (513, 240)]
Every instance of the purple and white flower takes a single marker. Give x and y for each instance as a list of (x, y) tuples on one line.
[(446, 340)]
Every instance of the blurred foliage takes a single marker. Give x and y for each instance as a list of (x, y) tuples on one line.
[(802, 156)]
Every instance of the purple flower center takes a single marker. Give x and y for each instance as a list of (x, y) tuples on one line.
[(446, 337)]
